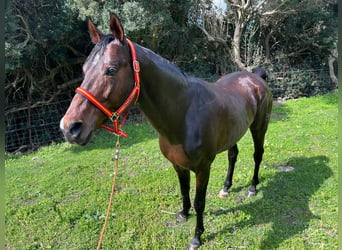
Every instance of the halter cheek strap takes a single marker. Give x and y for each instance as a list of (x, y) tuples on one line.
[(133, 97)]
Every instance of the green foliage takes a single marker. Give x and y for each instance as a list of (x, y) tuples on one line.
[(308, 37), (291, 84), (41, 49), (47, 42), (162, 26), (57, 197)]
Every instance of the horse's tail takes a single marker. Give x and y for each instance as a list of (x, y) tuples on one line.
[(260, 72)]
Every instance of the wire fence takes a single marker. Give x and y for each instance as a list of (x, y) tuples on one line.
[(29, 128)]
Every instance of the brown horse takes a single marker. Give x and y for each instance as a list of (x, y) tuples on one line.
[(195, 120)]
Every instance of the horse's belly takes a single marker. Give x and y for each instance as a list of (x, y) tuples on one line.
[(226, 144), (230, 135)]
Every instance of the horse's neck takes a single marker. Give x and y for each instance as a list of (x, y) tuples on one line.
[(163, 88)]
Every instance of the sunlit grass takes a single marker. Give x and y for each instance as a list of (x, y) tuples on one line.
[(57, 197)]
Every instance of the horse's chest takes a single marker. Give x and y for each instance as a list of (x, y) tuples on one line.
[(174, 153)]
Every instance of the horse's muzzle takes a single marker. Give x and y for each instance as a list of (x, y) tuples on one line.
[(74, 132)]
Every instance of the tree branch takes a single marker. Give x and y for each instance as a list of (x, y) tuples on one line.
[(67, 84), (256, 8), (210, 37)]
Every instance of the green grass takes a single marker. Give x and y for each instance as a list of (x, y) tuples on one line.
[(57, 197)]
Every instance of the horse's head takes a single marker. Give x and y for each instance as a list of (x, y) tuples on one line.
[(108, 76)]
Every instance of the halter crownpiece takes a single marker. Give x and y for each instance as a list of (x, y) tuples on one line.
[(133, 97)]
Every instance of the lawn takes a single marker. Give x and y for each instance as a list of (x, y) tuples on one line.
[(57, 197)]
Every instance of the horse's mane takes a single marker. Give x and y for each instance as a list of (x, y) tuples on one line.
[(99, 49)]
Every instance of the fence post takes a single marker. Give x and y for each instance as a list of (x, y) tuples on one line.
[(29, 123)]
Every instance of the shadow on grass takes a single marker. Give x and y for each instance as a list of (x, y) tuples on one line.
[(285, 202), (280, 111)]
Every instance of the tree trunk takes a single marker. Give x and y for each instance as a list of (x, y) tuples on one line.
[(331, 60), (236, 46), (267, 47)]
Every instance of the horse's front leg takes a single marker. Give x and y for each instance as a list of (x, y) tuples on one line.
[(184, 181), (202, 178)]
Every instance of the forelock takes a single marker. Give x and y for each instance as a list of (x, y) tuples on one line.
[(99, 48)]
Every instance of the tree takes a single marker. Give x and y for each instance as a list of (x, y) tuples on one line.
[(238, 28), (312, 30), (163, 26), (41, 50), (256, 30)]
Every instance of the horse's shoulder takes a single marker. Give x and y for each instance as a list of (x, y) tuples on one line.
[(200, 89)]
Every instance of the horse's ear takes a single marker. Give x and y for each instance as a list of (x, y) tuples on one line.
[(116, 27), (95, 34)]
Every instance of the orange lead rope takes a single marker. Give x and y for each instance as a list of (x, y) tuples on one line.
[(116, 158)]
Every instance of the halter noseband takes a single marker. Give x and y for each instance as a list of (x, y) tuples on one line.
[(133, 96)]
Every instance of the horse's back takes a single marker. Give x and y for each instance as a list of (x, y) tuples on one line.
[(251, 86), (239, 78)]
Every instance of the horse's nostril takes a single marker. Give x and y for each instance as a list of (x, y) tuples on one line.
[(75, 128)]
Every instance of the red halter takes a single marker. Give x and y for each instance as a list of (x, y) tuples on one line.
[(133, 96)]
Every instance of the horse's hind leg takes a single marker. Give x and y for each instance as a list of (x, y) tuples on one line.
[(258, 130), (184, 181), (232, 157), (258, 139)]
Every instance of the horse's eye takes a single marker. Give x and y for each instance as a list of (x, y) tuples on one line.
[(110, 71)]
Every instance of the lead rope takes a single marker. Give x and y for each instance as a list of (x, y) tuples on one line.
[(116, 159)]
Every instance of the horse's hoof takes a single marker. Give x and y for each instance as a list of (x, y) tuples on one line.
[(251, 194), (181, 217), (194, 244), (223, 194)]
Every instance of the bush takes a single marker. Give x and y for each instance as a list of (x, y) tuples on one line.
[(293, 84)]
